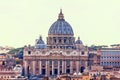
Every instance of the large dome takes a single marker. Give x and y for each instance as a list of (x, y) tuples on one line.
[(61, 27)]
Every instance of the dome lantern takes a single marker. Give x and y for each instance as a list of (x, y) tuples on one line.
[(61, 16)]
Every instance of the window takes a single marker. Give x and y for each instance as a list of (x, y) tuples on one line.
[(65, 40), (55, 62), (60, 62), (83, 53), (60, 47), (43, 62), (60, 40), (50, 72), (54, 39), (50, 62), (3, 63), (67, 62), (29, 52)]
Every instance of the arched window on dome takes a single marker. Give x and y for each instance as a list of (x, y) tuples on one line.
[(65, 40), (60, 40), (54, 40), (70, 41)]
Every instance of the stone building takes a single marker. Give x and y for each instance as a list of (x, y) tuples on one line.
[(94, 59), (3, 58), (61, 53), (110, 58), (7, 69), (7, 74)]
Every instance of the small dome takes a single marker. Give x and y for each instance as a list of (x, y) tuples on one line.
[(78, 41), (40, 43), (60, 27)]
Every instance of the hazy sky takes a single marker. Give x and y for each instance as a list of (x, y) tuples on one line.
[(95, 21)]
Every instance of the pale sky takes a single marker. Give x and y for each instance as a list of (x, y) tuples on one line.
[(95, 21)]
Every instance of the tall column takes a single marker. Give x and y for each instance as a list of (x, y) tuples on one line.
[(77, 66), (25, 67), (52, 40), (63, 67), (57, 40), (46, 66), (71, 67), (62, 40), (85, 63), (40, 67), (34, 67), (52, 67), (58, 67)]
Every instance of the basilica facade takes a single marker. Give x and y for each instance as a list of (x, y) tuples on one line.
[(61, 53)]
